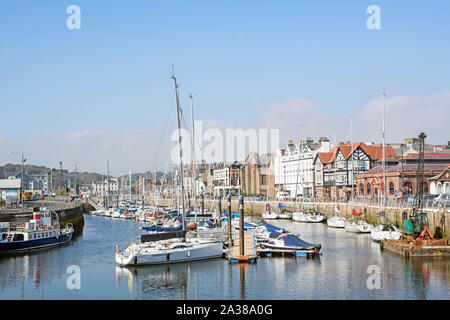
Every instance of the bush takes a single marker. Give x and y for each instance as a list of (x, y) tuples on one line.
[(2, 202)]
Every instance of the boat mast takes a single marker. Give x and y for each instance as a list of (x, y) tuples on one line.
[(353, 172), (383, 189), (130, 180), (298, 166), (181, 151), (194, 184)]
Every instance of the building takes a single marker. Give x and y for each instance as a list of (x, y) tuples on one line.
[(57, 179), (401, 178), (226, 178), (257, 175), (294, 169), (335, 172), (10, 190), (101, 189), (440, 183), (33, 181)]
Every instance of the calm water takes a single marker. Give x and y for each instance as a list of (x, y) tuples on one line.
[(340, 273)]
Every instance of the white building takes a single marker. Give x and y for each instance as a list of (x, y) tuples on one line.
[(101, 189), (293, 166)]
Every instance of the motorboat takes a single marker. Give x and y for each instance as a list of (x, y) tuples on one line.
[(336, 222), (268, 214), (38, 233), (385, 232), (289, 243), (308, 215), (358, 226)]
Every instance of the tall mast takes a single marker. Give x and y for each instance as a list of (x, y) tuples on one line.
[(351, 154), (107, 177), (383, 189), (298, 166), (193, 158), (130, 180), (181, 151)]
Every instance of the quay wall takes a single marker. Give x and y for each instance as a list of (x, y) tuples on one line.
[(439, 219)]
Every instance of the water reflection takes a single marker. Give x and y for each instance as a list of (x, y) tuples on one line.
[(340, 273)]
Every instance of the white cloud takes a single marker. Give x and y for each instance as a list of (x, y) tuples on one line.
[(405, 117)]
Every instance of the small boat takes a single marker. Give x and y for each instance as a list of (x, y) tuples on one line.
[(289, 243), (284, 214), (38, 233), (385, 232), (108, 212), (308, 215), (336, 222), (117, 213), (267, 214), (168, 250), (358, 226)]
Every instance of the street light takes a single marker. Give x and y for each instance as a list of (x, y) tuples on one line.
[(21, 180)]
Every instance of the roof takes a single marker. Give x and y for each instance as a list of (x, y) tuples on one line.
[(10, 184), (375, 152), (438, 176), (427, 168), (431, 156)]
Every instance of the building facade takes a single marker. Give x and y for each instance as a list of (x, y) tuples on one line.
[(294, 166)]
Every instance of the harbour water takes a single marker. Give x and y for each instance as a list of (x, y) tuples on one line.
[(340, 273)]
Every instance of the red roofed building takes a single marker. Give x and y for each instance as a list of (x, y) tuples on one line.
[(333, 174)]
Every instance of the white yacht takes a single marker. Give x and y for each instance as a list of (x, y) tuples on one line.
[(358, 226), (385, 232), (336, 222), (308, 215)]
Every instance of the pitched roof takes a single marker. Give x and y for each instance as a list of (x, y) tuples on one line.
[(374, 152), (10, 184)]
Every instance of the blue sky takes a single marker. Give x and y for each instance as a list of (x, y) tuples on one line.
[(242, 59)]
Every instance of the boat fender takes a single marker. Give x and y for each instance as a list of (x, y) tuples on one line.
[(117, 249), (267, 207), (406, 254), (381, 245)]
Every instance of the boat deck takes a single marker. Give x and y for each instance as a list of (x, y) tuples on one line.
[(437, 248)]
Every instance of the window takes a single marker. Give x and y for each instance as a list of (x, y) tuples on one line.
[(361, 189), (424, 187), (407, 188), (369, 189), (391, 188)]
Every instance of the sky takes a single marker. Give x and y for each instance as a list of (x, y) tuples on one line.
[(104, 92)]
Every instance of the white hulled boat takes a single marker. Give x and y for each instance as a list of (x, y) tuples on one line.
[(385, 232), (358, 226), (308, 215), (336, 222)]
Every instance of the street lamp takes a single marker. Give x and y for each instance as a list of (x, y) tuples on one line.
[(21, 180)]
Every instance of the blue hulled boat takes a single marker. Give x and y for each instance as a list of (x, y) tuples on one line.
[(36, 234)]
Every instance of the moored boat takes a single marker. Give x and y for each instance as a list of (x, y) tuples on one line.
[(358, 226), (385, 232), (336, 222), (308, 215), (38, 233)]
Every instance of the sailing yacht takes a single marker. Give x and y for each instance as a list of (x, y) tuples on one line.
[(174, 246)]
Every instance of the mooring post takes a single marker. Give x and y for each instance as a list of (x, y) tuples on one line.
[(230, 240), (241, 225), (219, 208)]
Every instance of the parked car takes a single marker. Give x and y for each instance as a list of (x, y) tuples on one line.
[(442, 200)]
